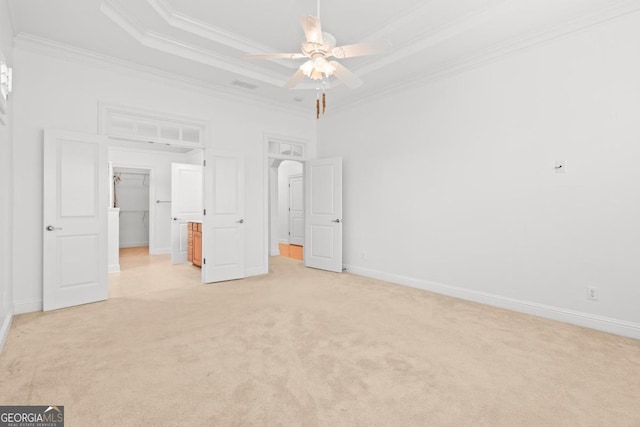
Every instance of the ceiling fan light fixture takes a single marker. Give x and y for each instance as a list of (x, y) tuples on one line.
[(317, 68), (307, 68)]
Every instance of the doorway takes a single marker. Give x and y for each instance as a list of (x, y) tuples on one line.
[(131, 195), (140, 224), (287, 209)]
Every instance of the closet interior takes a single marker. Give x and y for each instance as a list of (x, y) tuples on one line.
[(131, 195)]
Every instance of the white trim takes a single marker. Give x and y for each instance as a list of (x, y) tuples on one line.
[(210, 32), (601, 323), (134, 245), (5, 328), (114, 268), (22, 307), (491, 54), (164, 43), (106, 109), (61, 51)]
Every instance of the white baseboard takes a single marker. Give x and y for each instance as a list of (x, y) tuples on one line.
[(274, 252), (5, 327), (133, 245), (601, 323), (114, 268), (22, 307)]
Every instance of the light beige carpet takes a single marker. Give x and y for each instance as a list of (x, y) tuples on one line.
[(302, 347)]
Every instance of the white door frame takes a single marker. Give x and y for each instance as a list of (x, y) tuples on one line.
[(268, 158), (152, 204)]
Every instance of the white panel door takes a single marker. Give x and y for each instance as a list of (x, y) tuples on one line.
[(296, 210), (75, 203), (323, 214), (223, 228), (186, 205)]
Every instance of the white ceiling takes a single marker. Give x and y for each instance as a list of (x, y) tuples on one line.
[(206, 41)]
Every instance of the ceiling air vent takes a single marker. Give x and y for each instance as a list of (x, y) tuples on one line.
[(244, 84)]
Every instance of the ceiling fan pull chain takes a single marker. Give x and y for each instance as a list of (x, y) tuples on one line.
[(324, 102), (324, 96)]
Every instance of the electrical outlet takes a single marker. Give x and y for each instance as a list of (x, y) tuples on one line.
[(592, 293)]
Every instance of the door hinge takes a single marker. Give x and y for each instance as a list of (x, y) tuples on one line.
[(204, 260), (204, 163), (289, 233), (204, 212)]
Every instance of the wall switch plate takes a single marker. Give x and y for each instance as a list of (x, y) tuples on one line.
[(561, 166), (592, 293)]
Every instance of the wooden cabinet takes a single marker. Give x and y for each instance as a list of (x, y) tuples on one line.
[(197, 245), (190, 242), (194, 243)]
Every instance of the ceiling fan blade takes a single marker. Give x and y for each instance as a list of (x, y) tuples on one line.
[(294, 80), (312, 29), (276, 56), (347, 77), (361, 49)]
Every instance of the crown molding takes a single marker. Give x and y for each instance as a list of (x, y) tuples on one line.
[(427, 39), (497, 52), (163, 43), (33, 43), (218, 35)]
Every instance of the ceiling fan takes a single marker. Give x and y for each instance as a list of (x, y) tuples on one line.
[(319, 47)]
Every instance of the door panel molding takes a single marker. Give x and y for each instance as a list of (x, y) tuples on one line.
[(323, 214), (75, 203)]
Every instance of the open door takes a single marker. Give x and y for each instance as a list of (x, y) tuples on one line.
[(75, 202), (296, 210), (186, 205), (223, 228), (323, 214)]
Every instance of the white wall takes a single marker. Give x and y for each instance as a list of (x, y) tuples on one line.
[(6, 184), (286, 169), (132, 197), (56, 91), (450, 186)]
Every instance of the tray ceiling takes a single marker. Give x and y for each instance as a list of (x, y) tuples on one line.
[(206, 41)]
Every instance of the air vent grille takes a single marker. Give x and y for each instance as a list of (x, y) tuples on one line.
[(244, 84)]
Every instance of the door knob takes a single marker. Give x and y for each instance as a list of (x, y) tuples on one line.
[(336, 220), (241, 221), (52, 228)]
